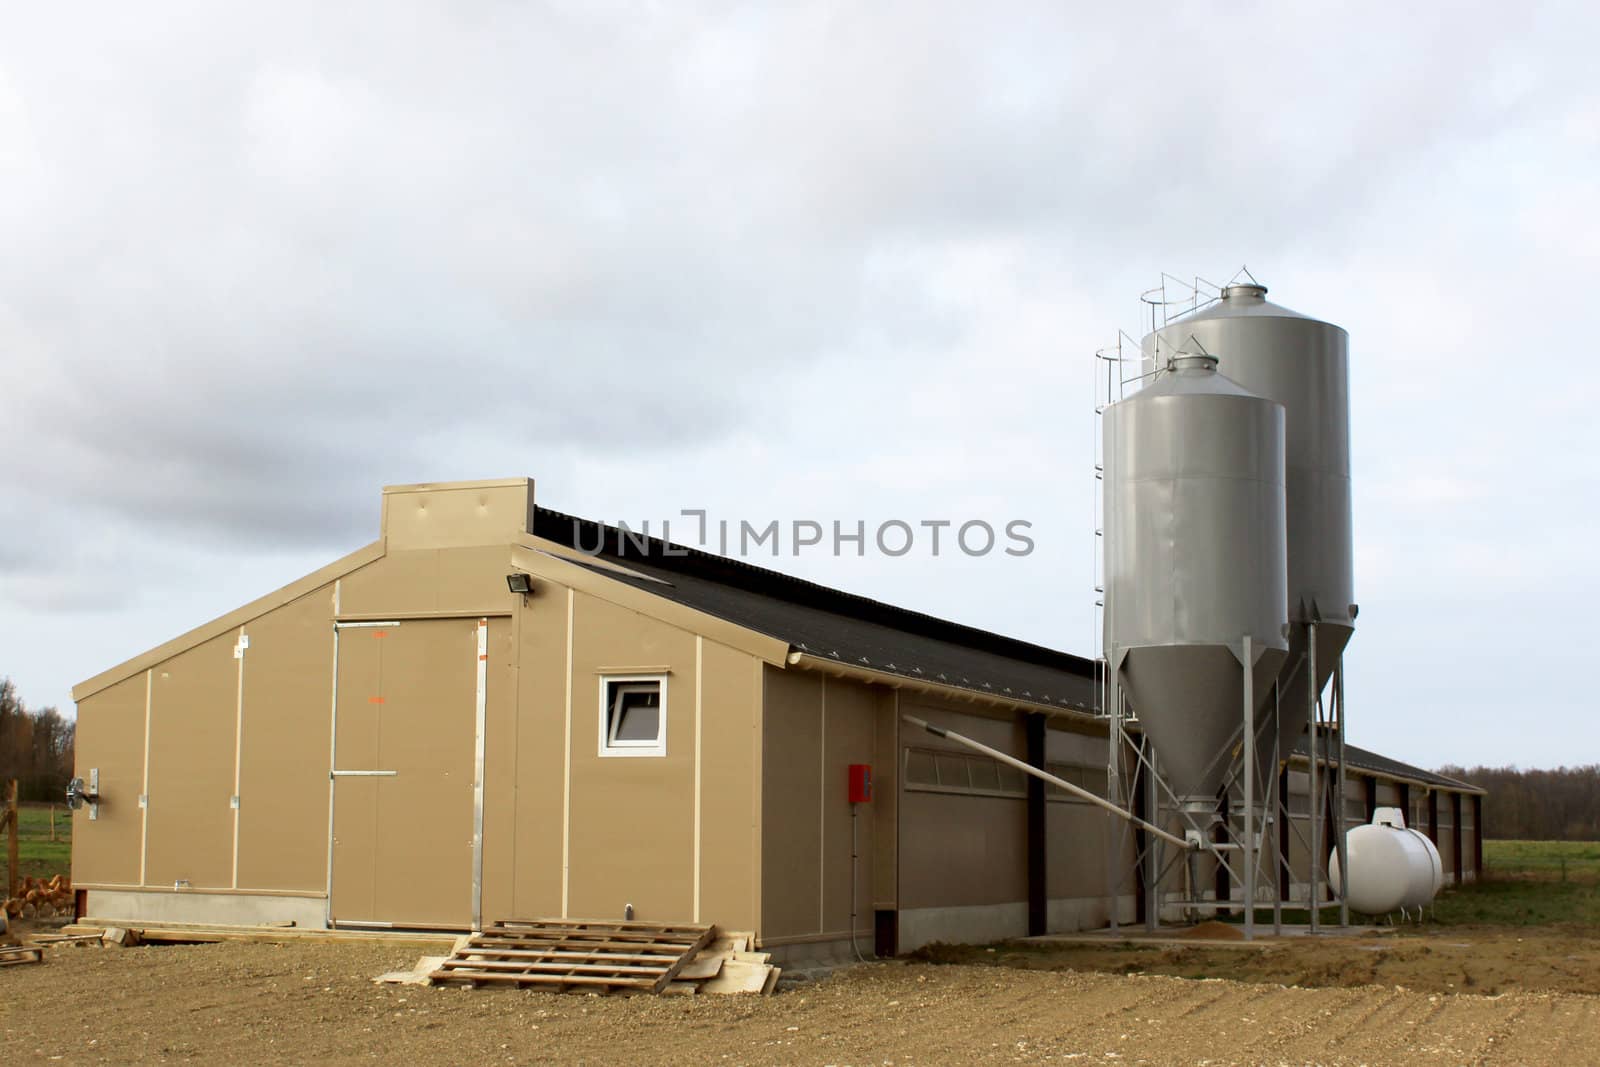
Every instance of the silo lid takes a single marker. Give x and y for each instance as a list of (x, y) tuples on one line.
[(1238, 300), (1191, 374), (1244, 291)]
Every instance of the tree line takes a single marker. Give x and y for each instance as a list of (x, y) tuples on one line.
[(35, 747), (1532, 805)]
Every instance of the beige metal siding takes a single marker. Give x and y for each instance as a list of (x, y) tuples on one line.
[(283, 773), (631, 828), (815, 728), (963, 850), (791, 785), (420, 582), (194, 713), (1446, 838), (1468, 866), (1077, 841), (501, 787), (849, 737), (494, 511), (110, 738), (730, 743), (885, 853), (527, 771)]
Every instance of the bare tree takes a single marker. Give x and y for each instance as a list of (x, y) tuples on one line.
[(1538, 805), (36, 747)]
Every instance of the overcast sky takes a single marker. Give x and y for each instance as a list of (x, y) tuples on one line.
[(829, 261)]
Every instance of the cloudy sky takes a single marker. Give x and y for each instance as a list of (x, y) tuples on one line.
[(828, 261)]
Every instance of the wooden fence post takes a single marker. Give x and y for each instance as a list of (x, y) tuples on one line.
[(13, 853)]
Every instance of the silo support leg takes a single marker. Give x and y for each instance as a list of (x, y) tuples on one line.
[(1315, 860), (1341, 828), (1249, 853), (1152, 811), (1277, 814), (1113, 793)]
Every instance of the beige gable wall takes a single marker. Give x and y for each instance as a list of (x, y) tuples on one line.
[(815, 727)]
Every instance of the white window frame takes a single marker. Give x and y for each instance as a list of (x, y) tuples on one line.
[(631, 749)]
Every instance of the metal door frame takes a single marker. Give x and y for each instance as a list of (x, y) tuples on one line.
[(479, 755)]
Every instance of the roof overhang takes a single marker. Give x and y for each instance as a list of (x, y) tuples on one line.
[(1452, 786), (807, 661)]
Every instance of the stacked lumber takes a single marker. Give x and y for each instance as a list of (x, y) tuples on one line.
[(571, 954), (727, 965), (40, 898)]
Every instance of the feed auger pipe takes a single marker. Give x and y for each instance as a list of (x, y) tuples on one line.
[(1077, 791)]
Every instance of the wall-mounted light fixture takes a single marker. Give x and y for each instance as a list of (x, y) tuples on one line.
[(519, 583)]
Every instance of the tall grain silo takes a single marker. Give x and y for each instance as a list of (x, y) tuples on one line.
[(1195, 567), (1303, 364)]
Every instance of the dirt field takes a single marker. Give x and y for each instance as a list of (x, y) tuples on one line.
[(1431, 959), (248, 1003)]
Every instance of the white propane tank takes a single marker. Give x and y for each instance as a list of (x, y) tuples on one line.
[(1390, 866), (1433, 861)]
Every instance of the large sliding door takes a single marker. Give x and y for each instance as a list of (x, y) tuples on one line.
[(406, 766)]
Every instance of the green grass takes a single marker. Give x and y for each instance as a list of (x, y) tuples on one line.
[(1528, 883), (39, 856), (1563, 860)]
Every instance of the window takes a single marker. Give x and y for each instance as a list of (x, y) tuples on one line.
[(633, 715), (946, 771)]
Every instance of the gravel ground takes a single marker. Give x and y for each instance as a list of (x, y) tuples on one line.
[(314, 1003)]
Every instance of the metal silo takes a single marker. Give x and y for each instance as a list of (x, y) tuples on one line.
[(1195, 570), (1302, 363)]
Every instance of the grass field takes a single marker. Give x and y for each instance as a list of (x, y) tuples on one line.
[(40, 856), (1529, 883), (1575, 860)]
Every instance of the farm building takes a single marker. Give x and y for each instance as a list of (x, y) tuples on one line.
[(401, 740)]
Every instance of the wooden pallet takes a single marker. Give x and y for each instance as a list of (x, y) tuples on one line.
[(24, 954), (569, 953)]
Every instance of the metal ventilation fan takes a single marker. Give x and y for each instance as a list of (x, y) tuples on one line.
[(79, 794)]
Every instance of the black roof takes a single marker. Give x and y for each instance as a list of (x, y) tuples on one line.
[(830, 624), (1366, 760)]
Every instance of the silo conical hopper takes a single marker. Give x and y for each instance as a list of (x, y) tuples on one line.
[(1195, 561), (1303, 364)]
